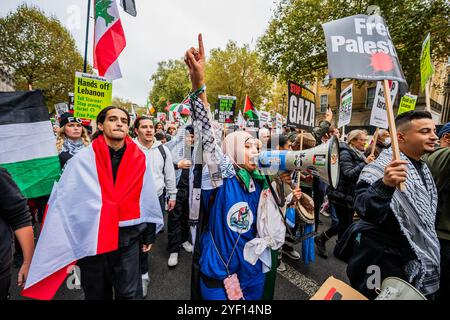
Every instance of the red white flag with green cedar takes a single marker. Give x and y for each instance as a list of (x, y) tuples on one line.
[(249, 109), (109, 39)]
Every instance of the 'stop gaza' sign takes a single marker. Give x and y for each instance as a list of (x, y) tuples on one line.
[(302, 107), (360, 47)]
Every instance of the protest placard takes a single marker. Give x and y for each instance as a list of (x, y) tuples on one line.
[(92, 94), (378, 117), (354, 41), (253, 123), (302, 107), (71, 102), (227, 106), (426, 67), (360, 47), (279, 123), (61, 108), (264, 118), (345, 109), (407, 103)]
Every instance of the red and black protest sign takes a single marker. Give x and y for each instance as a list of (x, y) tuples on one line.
[(360, 47), (302, 107)]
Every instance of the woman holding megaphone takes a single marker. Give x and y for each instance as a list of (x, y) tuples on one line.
[(241, 227)]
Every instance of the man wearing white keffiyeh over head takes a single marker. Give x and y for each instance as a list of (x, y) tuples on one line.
[(397, 229)]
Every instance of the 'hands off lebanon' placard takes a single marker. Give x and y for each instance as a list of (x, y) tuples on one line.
[(92, 94)]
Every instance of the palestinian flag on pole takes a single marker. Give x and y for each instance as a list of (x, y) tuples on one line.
[(86, 209), (109, 39), (28, 145), (250, 110)]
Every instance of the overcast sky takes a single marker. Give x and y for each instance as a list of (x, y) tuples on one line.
[(162, 30)]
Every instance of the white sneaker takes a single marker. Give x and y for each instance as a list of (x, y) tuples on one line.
[(145, 283), (187, 246), (173, 259), (294, 255), (281, 267)]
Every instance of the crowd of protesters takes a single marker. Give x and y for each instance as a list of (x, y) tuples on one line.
[(235, 209)]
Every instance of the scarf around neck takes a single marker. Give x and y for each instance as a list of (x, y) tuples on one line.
[(359, 153), (246, 177), (415, 210), (72, 147)]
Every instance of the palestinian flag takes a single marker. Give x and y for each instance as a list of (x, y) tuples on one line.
[(250, 110), (86, 209), (109, 39), (28, 145)]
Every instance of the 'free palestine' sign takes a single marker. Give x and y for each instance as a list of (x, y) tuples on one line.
[(360, 47)]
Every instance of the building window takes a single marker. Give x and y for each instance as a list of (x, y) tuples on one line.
[(326, 80), (323, 103), (370, 97)]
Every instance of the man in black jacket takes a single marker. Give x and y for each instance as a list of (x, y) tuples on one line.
[(117, 269), (396, 234), (15, 216)]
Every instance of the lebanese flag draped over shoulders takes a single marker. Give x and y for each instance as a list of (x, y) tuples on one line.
[(86, 209), (109, 39)]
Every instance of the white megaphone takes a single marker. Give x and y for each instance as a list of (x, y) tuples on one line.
[(394, 288), (322, 161)]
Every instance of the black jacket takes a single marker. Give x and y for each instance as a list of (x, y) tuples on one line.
[(144, 232), (375, 240), (350, 168), (14, 215)]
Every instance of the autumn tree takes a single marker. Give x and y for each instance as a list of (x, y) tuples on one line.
[(236, 71), (293, 47), (171, 84), (41, 53)]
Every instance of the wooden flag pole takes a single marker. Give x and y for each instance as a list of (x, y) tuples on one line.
[(301, 148), (427, 96), (375, 139), (392, 127)]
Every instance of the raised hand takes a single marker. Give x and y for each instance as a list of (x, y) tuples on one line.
[(195, 60)]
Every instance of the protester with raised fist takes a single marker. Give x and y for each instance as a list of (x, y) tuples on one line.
[(235, 261)]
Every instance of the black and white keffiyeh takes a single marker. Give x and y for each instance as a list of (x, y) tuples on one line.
[(71, 146), (415, 210)]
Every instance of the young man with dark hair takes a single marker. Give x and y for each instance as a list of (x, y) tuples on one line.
[(103, 206), (439, 163), (396, 233), (163, 172)]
